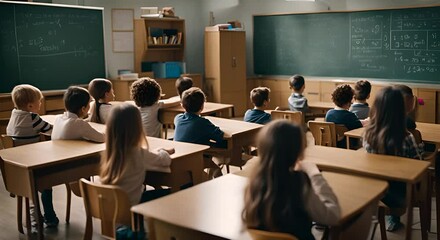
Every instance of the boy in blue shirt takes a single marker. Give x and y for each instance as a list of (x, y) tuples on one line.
[(297, 102), (260, 98), (191, 127), (360, 106), (342, 97)]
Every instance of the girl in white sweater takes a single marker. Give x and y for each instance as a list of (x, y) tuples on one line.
[(127, 156)]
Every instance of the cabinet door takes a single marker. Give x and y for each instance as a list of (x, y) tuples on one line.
[(426, 111), (233, 61)]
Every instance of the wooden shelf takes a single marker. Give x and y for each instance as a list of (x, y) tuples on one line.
[(144, 52), (166, 47)]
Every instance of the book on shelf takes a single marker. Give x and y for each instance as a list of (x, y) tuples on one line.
[(160, 36)]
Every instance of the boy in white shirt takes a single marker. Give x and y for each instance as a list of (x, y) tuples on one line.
[(145, 92), (71, 124)]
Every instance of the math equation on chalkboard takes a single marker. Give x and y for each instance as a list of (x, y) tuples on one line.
[(396, 44)]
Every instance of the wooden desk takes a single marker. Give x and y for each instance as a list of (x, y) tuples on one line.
[(320, 108), (39, 166), (430, 132), (372, 165), (215, 207), (45, 164), (239, 134), (167, 115)]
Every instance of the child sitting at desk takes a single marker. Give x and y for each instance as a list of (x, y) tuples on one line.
[(182, 84), (260, 98), (71, 124), (360, 106), (342, 97), (25, 126), (127, 156), (192, 128), (146, 94), (285, 194), (102, 92), (387, 134), (297, 102), (410, 101)]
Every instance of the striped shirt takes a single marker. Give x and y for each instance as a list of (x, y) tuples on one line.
[(25, 127)]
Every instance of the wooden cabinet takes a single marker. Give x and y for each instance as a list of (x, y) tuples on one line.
[(147, 51), (225, 68), (426, 108)]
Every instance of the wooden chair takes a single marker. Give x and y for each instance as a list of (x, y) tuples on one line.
[(293, 116), (5, 177), (424, 192), (106, 202), (3, 124), (327, 133), (160, 230), (8, 142), (265, 235)]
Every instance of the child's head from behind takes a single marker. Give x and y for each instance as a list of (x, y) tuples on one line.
[(76, 100), (124, 131), (145, 92), (101, 89), (27, 97), (193, 100), (408, 97), (342, 96), (362, 90), (387, 127), (267, 202), (182, 84), (296, 83), (260, 96), (277, 154)]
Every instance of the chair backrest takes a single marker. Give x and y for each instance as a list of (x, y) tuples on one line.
[(265, 235), (7, 141), (3, 124), (293, 116), (160, 230), (106, 202), (324, 133)]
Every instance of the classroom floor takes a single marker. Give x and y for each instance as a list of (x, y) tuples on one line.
[(75, 229)]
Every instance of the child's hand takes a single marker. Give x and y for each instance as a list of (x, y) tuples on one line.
[(168, 150), (308, 167), (365, 121)]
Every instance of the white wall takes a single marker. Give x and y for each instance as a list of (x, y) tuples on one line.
[(196, 15)]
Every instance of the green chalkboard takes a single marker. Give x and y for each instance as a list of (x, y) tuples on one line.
[(50, 47), (392, 44)]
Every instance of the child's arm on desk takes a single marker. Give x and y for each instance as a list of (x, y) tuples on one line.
[(170, 102)]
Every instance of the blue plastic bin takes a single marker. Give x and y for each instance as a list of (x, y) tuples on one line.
[(168, 69)]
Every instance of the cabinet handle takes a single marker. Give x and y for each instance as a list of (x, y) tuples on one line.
[(313, 93), (234, 62)]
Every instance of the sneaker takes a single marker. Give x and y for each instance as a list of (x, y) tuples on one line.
[(34, 224), (51, 223), (393, 223)]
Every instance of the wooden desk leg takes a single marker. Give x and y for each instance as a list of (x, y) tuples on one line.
[(136, 221), (348, 142), (197, 171), (409, 211), (424, 219)]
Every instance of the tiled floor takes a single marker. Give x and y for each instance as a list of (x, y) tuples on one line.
[(75, 229)]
